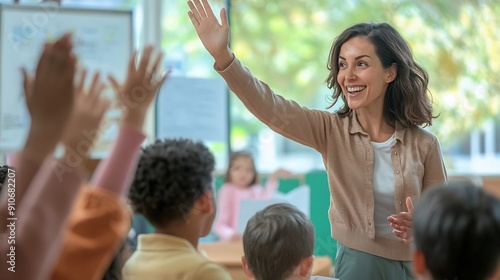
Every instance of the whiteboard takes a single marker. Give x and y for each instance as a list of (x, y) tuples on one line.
[(193, 108), (102, 41)]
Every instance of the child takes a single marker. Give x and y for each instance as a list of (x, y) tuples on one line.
[(4, 170), (100, 220), (240, 183), (46, 188), (457, 234), (173, 190), (278, 243)]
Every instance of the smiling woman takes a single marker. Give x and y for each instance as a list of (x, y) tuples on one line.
[(389, 158)]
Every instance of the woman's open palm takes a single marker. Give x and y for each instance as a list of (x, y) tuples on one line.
[(214, 36)]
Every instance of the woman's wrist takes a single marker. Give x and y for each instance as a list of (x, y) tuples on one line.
[(224, 58)]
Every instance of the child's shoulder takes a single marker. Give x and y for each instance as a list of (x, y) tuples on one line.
[(229, 187)]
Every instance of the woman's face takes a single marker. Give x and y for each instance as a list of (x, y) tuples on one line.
[(362, 77), (241, 172)]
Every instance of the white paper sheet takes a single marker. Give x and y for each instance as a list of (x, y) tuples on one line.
[(300, 197), (192, 108)]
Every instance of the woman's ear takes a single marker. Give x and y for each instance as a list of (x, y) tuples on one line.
[(391, 73)]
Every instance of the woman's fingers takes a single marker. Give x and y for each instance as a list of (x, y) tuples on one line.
[(208, 10), (194, 14), (409, 205)]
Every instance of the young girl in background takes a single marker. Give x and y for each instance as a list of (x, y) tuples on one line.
[(241, 183)]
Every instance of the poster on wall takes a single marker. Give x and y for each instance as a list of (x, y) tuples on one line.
[(102, 41), (192, 108)]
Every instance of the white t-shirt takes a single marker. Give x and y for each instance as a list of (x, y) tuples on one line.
[(383, 187)]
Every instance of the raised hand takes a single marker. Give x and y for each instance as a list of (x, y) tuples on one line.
[(49, 96), (140, 87), (402, 222), (280, 173), (214, 36), (90, 107)]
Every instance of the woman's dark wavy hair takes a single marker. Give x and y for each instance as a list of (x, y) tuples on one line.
[(407, 99), (170, 177)]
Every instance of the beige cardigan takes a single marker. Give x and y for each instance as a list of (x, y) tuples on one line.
[(348, 157)]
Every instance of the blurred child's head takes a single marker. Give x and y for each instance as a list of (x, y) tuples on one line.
[(3, 174), (457, 233), (241, 170), (173, 185), (278, 243)]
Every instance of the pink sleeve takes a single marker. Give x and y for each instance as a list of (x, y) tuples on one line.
[(25, 169), (116, 172), (40, 221), (12, 160), (223, 225), (270, 188)]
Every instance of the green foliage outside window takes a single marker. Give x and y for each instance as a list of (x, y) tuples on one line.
[(286, 44)]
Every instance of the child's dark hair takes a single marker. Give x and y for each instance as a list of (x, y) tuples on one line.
[(276, 240), (171, 176), (234, 156), (4, 170), (457, 228), (115, 267)]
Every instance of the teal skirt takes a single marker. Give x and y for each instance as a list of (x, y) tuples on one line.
[(352, 264)]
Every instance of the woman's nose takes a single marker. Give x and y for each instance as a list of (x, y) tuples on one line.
[(349, 74)]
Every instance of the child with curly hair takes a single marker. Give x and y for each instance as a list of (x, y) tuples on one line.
[(173, 190)]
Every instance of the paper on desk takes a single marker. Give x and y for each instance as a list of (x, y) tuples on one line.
[(322, 278), (300, 197)]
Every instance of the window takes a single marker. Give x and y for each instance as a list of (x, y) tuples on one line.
[(286, 44)]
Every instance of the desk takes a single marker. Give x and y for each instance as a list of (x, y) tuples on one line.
[(229, 255)]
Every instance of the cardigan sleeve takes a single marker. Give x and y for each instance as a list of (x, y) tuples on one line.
[(435, 170), (286, 117)]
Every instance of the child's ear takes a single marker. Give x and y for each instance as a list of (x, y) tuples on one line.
[(245, 268), (306, 267), (204, 204), (419, 266), (496, 273)]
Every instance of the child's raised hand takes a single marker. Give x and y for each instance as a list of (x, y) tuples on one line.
[(88, 113), (49, 96), (281, 173), (140, 87)]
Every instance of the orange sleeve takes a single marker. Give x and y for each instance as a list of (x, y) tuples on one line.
[(97, 227)]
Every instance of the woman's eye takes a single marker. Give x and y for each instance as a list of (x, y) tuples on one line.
[(342, 65), (362, 64)]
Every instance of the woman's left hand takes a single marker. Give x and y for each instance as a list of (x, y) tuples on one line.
[(402, 222)]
